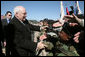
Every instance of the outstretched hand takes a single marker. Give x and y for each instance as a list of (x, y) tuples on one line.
[(76, 37), (57, 24), (71, 16), (41, 45)]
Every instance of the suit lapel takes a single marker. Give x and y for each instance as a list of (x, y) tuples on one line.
[(5, 21), (26, 26)]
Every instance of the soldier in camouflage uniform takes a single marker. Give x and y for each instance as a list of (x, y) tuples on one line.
[(54, 45), (64, 48)]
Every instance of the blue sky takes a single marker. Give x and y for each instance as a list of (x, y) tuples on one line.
[(38, 10)]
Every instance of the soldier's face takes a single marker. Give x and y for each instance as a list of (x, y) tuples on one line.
[(45, 23), (41, 23)]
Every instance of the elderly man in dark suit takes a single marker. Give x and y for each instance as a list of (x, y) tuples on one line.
[(20, 34)]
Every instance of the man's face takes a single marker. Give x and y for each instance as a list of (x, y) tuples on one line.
[(41, 23), (9, 16), (22, 14), (45, 23)]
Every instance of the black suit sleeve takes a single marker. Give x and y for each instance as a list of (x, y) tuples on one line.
[(34, 28), (1, 32)]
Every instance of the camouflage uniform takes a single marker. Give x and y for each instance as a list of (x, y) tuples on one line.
[(65, 50), (58, 48), (55, 47), (47, 50)]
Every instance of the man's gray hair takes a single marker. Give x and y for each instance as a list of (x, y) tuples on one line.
[(16, 9)]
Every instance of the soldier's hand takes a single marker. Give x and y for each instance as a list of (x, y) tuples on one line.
[(42, 37), (57, 24), (71, 16), (44, 27), (41, 45), (73, 24), (76, 37), (4, 43)]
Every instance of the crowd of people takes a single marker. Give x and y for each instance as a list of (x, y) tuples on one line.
[(51, 38)]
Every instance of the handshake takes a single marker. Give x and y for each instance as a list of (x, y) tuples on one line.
[(43, 27)]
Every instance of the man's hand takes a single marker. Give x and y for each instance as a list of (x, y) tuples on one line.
[(72, 17), (73, 24), (4, 43), (57, 24), (43, 27), (41, 45), (76, 37), (42, 37)]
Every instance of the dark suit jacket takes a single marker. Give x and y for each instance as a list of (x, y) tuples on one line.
[(4, 22), (20, 37), (4, 26), (0, 37)]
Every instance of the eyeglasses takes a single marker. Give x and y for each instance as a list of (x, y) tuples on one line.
[(10, 15)]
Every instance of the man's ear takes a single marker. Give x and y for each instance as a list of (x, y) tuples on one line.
[(16, 14)]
